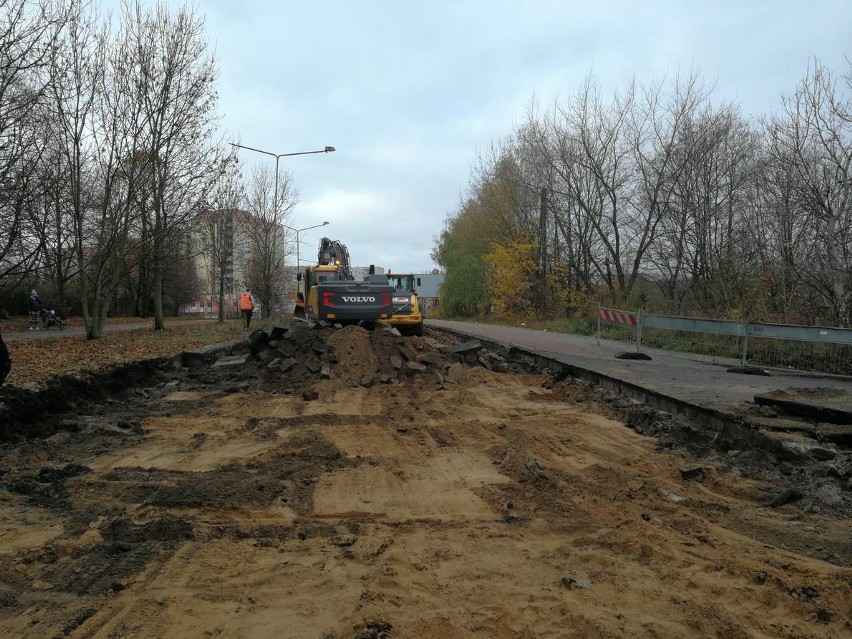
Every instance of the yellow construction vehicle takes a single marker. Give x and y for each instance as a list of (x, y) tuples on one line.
[(406, 317), (328, 290)]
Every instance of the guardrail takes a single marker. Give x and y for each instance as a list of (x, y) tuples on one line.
[(811, 348)]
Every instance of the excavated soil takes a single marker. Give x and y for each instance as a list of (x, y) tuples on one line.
[(340, 483)]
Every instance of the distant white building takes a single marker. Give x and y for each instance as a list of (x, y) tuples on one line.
[(428, 284)]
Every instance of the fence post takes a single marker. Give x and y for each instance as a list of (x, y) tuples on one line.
[(639, 325), (745, 344), (599, 326)]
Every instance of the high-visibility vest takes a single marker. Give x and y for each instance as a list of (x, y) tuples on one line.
[(245, 302)]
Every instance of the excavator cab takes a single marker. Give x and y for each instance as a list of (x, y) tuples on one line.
[(407, 316), (402, 282)]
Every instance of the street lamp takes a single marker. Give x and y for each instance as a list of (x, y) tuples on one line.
[(315, 226), (278, 156)]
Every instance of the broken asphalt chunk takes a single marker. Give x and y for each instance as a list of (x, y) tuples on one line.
[(278, 353), (313, 365), (785, 497), (428, 358), (278, 332), (258, 341), (203, 355), (467, 347), (694, 473), (231, 360), (571, 582), (286, 364)]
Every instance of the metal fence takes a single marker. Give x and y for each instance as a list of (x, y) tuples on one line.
[(808, 348)]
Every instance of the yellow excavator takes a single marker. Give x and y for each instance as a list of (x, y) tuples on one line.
[(329, 291)]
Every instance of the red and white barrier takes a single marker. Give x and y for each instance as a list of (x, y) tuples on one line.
[(617, 317)]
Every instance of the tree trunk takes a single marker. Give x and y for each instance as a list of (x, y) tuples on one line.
[(221, 299), (542, 253), (159, 323)]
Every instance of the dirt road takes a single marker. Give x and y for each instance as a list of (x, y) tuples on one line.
[(346, 484)]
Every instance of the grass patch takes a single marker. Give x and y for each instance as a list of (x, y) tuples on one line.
[(36, 361)]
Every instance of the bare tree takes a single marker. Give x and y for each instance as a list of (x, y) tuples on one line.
[(810, 141), (780, 233), (52, 222), (571, 238), (267, 234), (26, 37), (700, 248), (660, 183), (75, 65), (216, 232), (176, 75), (107, 214), (97, 126), (591, 159)]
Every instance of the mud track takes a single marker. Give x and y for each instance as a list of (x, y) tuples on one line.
[(351, 484)]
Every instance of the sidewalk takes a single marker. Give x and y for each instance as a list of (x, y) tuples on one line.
[(700, 384), (48, 333), (71, 331)]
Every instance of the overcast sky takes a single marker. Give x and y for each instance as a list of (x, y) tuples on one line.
[(410, 91)]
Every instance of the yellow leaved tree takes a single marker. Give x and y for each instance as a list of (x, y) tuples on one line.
[(512, 269)]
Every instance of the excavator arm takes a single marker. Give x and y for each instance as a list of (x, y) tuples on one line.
[(332, 252)]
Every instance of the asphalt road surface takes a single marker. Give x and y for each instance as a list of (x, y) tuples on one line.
[(697, 383)]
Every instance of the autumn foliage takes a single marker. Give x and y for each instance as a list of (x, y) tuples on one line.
[(512, 268), (664, 197)]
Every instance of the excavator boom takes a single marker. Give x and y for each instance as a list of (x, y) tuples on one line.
[(333, 253)]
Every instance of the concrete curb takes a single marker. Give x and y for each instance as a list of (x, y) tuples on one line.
[(205, 355)]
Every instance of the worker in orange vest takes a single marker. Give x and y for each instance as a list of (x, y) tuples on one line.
[(247, 306)]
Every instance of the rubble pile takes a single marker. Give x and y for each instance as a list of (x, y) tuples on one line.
[(291, 358)]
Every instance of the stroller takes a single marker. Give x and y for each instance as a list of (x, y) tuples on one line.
[(50, 318)]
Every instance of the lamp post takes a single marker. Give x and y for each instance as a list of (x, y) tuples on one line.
[(315, 226), (278, 156)]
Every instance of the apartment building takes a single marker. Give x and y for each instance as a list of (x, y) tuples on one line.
[(229, 246)]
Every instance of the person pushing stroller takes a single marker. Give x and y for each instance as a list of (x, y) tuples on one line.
[(34, 307)]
